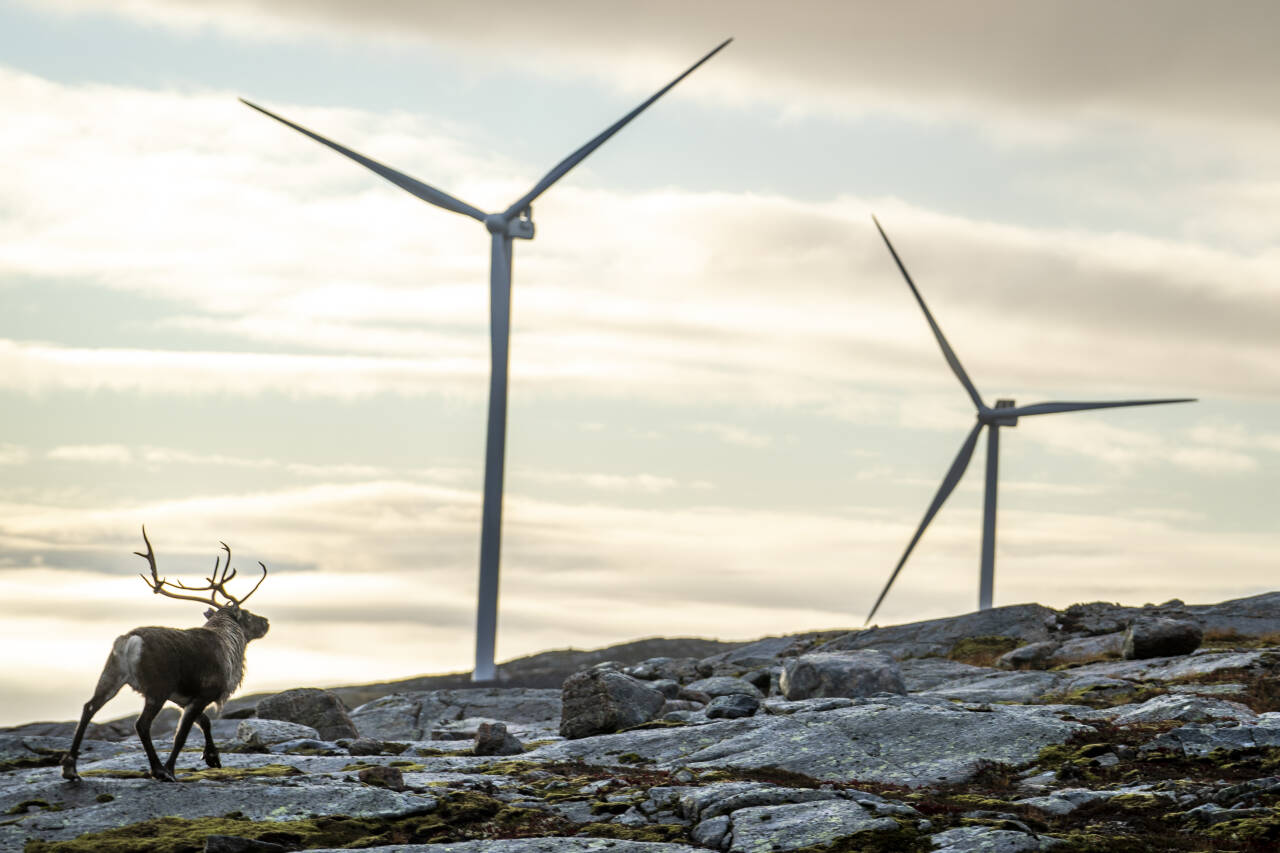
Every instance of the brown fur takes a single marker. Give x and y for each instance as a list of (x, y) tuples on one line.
[(193, 668)]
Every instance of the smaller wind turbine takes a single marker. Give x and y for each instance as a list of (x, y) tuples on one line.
[(1004, 414)]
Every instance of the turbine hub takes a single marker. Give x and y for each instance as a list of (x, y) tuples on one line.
[(996, 420)]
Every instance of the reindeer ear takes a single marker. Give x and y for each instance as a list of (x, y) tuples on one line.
[(208, 614)]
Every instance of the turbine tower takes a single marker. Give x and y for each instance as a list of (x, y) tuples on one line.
[(1003, 414), (514, 223)]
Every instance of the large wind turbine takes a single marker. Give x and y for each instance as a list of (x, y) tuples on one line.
[(1004, 414), (516, 222)]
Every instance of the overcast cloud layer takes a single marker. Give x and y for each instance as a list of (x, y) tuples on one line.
[(727, 411)]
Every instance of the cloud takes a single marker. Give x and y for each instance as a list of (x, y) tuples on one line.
[(13, 454), (318, 280), (111, 453), (730, 434), (1035, 66)]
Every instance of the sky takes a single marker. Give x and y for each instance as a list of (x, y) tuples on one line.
[(727, 413)]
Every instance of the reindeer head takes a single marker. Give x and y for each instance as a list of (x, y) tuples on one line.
[(253, 626)]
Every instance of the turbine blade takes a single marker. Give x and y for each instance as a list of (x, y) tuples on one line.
[(412, 185), (1051, 408), (582, 153), (947, 352), (944, 491)]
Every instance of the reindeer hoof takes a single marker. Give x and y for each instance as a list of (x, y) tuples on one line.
[(213, 760), (69, 771), (163, 774)]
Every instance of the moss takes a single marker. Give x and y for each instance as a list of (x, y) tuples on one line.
[(905, 839), (226, 774), (1264, 828), (27, 805), (656, 832), (104, 797), (408, 766), (982, 651), (977, 801), (633, 758), (117, 774), (30, 763)]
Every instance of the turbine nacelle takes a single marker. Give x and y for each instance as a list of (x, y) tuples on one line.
[(517, 227), (993, 417)]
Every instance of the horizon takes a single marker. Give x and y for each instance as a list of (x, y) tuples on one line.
[(727, 413)]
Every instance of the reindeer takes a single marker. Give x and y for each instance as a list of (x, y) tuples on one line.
[(192, 668)]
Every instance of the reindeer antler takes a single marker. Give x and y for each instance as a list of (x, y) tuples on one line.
[(216, 585)]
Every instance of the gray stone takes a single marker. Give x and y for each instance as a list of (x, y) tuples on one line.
[(1030, 656), (319, 709), (843, 674), (494, 739), (365, 746), (600, 701), (382, 777), (1029, 623), (680, 670), (255, 732), (986, 839), (920, 674), (724, 685), (731, 706), (137, 800), (667, 687), (1192, 709), (997, 686), (711, 833), (812, 824), (414, 716), (1086, 649), (1162, 636), (537, 845), (1171, 669), (915, 744), (1198, 740)]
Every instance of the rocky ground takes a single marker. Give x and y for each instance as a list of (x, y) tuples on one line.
[(1097, 728)]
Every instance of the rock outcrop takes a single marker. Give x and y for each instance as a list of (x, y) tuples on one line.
[(1094, 753)]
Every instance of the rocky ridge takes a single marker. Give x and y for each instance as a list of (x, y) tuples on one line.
[(1015, 729)]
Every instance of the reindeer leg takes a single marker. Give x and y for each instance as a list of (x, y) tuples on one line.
[(210, 750), (189, 715), (109, 684), (143, 727)]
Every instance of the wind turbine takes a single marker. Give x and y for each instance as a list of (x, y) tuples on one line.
[(1004, 414), (516, 222)]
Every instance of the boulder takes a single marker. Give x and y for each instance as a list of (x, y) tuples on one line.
[(601, 701), (675, 669), (732, 706), (1030, 656), (1086, 649), (724, 685), (319, 709), (1161, 636), (494, 739), (1186, 708), (803, 825), (847, 674), (260, 733)]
